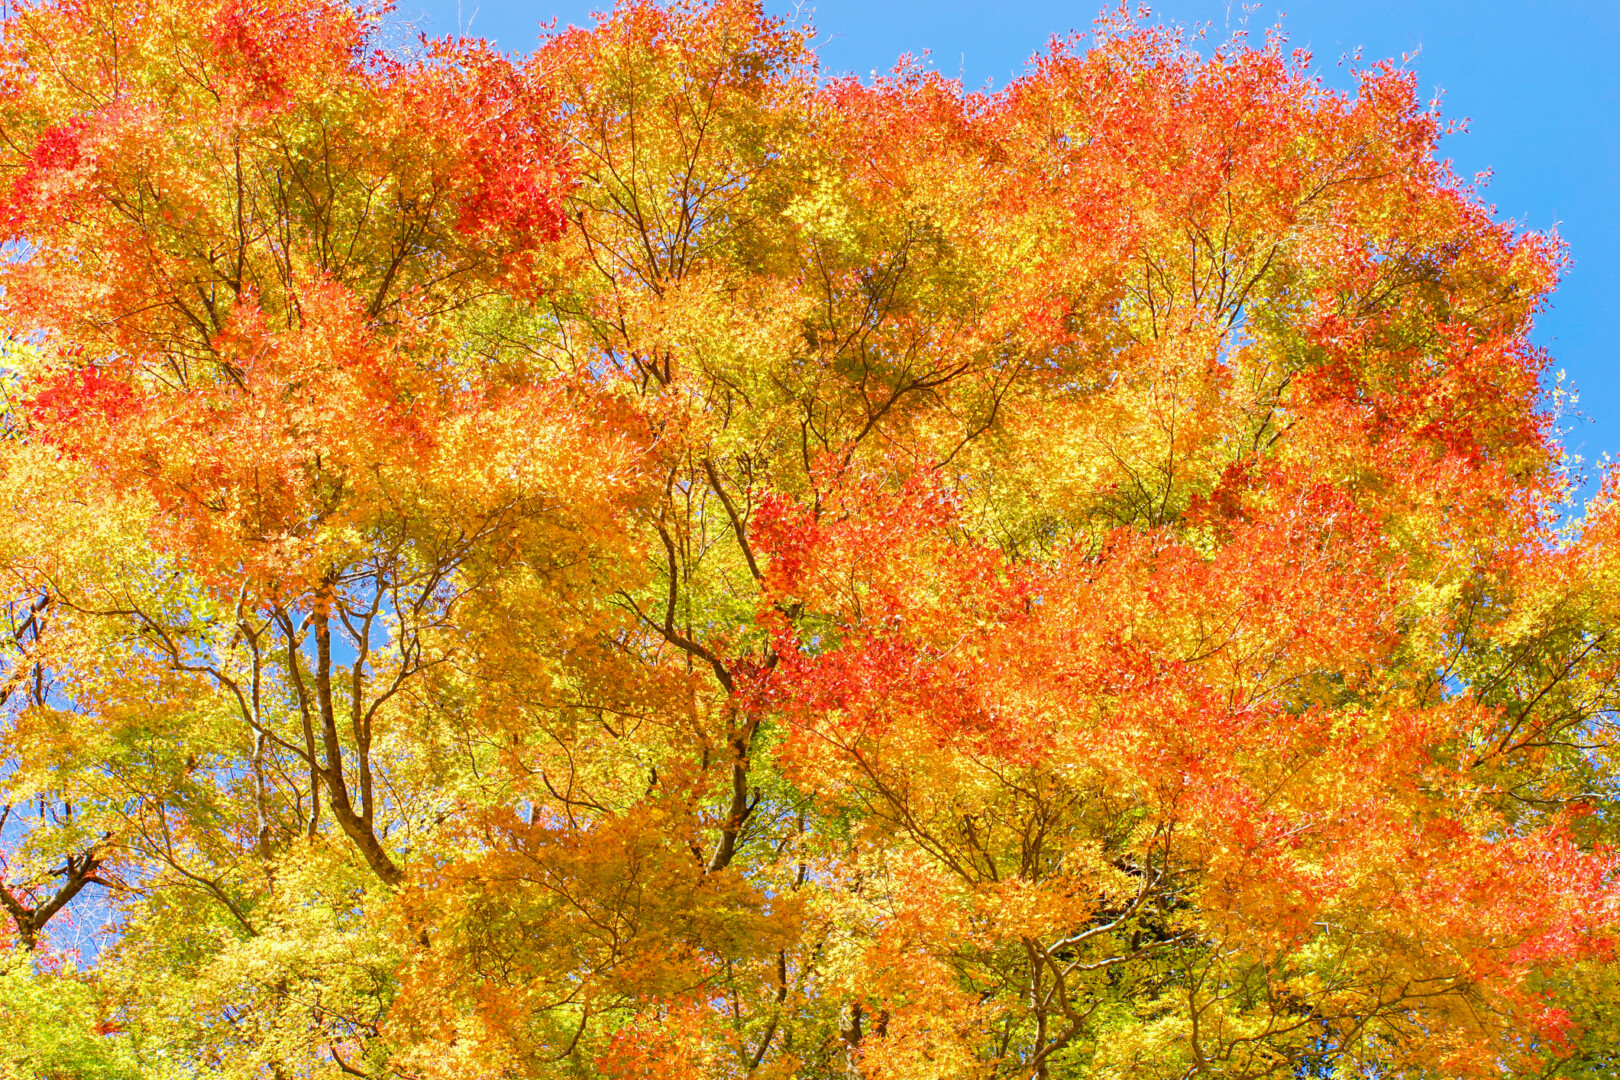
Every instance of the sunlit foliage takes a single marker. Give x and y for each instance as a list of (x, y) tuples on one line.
[(643, 560)]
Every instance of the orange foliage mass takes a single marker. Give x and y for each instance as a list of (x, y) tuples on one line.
[(643, 560)]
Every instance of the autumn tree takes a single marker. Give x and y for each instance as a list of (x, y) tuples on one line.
[(647, 560)]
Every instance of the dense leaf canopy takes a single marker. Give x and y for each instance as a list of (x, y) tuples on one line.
[(643, 560)]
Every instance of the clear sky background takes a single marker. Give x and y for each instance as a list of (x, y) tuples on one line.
[(1537, 80)]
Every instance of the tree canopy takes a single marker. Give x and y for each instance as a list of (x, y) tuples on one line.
[(647, 560)]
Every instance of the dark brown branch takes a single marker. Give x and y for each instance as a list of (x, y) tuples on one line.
[(30, 921), (737, 524), (358, 828)]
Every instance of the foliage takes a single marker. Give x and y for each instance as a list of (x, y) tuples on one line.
[(643, 560), (52, 1027)]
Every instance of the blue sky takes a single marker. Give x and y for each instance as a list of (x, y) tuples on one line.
[(1538, 81)]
